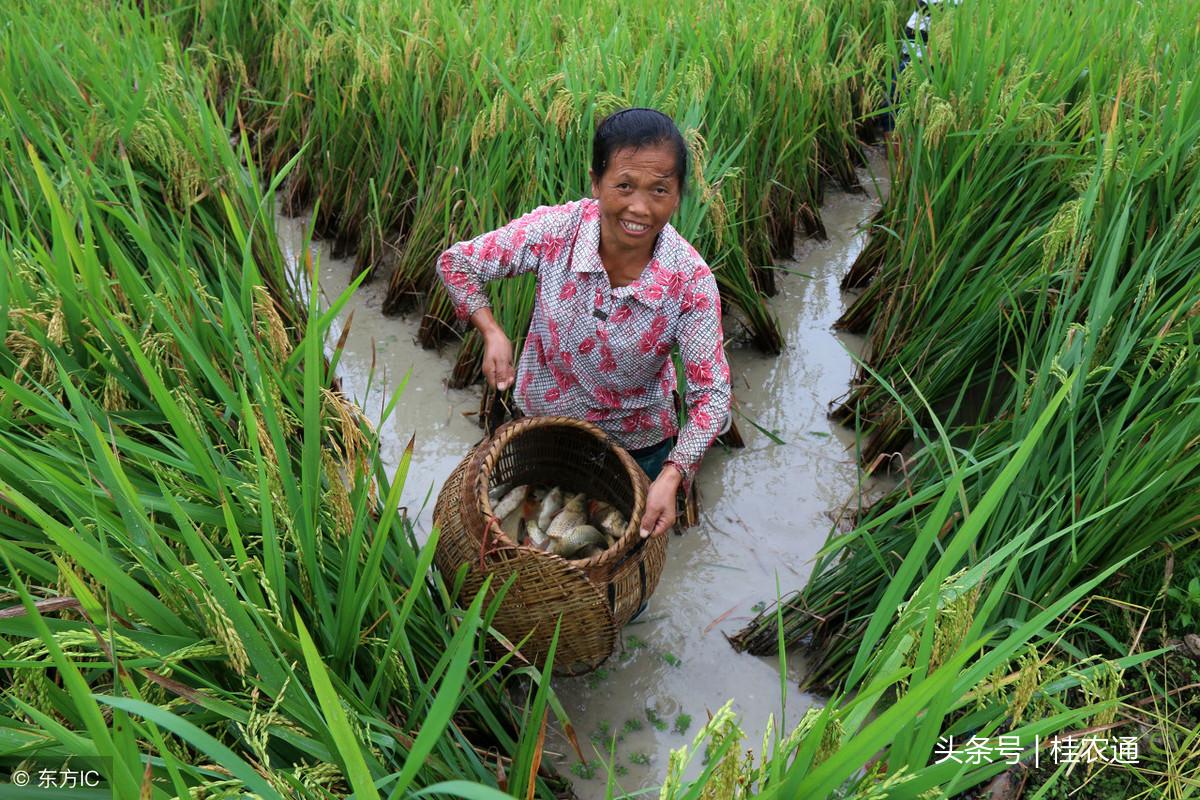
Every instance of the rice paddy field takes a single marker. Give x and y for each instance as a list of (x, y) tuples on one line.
[(210, 587)]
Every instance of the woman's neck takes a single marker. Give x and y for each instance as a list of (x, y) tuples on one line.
[(624, 267)]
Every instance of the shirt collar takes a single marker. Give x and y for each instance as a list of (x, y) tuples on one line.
[(587, 249)]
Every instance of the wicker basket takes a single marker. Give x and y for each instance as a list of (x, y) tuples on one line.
[(595, 597)]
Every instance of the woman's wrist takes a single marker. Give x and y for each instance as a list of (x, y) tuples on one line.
[(672, 472), (486, 324), (494, 334)]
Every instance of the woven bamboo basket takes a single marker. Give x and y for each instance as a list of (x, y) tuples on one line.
[(594, 597)]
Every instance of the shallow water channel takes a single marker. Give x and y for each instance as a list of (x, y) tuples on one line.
[(765, 509)]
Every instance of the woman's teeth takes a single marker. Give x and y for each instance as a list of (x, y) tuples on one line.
[(633, 227)]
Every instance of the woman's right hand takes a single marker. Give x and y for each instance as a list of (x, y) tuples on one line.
[(498, 360)]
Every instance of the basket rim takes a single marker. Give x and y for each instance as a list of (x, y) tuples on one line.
[(488, 454)]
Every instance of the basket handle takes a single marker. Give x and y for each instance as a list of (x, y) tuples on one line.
[(495, 408)]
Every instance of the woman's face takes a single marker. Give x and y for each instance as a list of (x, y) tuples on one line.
[(638, 193)]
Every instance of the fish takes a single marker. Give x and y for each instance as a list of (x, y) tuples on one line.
[(534, 535), (511, 501), (591, 551), (512, 524), (498, 491), (526, 513), (577, 540), (571, 516), (551, 505), (608, 519)]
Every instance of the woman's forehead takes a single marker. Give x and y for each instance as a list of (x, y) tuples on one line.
[(654, 159), (651, 155)]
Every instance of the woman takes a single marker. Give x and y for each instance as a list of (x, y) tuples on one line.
[(617, 288)]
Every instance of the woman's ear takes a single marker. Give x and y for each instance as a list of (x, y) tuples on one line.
[(595, 183)]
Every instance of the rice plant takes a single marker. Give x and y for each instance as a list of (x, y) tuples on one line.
[(208, 584), (931, 665), (1045, 226), (418, 126), (989, 188), (207, 581)]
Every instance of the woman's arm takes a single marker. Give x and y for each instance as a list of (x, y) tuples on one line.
[(660, 501), (516, 248), (497, 350), (701, 346)]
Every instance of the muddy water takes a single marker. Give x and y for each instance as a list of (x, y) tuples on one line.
[(767, 508), (380, 358)]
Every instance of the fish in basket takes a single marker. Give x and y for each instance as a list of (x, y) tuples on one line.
[(569, 525), (555, 504)]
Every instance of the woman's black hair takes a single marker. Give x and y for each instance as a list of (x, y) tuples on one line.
[(638, 127)]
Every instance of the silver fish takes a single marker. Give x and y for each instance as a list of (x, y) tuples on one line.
[(498, 491), (534, 535), (551, 505), (511, 501), (608, 519), (572, 516), (577, 540), (513, 524), (589, 552)]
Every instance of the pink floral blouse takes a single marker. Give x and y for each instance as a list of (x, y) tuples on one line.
[(603, 354)]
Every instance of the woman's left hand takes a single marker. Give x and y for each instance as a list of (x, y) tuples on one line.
[(660, 502)]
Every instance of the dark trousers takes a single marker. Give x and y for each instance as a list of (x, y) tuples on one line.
[(652, 458)]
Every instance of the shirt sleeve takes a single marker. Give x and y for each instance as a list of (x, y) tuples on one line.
[(520, 246), (702, 348)]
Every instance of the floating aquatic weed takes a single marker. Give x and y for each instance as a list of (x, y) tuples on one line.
[(602, 733), (654, 719)]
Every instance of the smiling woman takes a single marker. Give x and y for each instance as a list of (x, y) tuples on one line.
[(617, 290)]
